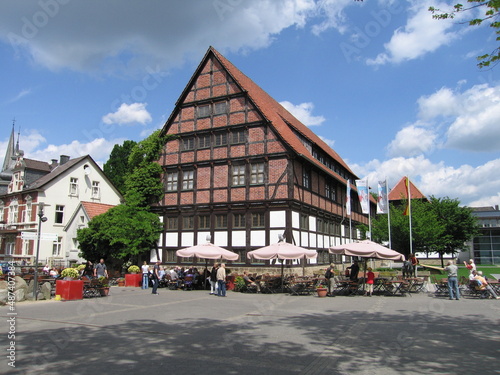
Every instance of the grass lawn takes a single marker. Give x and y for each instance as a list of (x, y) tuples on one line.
[(462, 271)]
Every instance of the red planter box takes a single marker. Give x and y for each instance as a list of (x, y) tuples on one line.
[(69, 289), (133, 280)]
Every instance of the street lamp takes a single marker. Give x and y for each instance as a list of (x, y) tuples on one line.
[(41, 219)]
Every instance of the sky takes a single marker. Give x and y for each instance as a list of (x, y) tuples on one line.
[(393, 91)]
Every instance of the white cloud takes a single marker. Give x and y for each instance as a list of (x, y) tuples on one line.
[(412, 141), (19, 96), (422, 34), (128, 114), (303, 112), (472, 116), (128, 36), (474, 186)]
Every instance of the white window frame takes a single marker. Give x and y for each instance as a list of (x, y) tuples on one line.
[(188, 180), (238, 175), (96, 190), (59, 212), (73, 186), (257, 174), (57, 247), (172, 183)]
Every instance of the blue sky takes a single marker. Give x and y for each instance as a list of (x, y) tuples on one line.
[(393, 91)]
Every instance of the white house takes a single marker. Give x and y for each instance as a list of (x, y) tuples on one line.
[(49, 196)]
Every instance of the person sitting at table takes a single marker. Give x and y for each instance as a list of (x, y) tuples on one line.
[(353, 271), (54, 273), (370, 279), (250, 282), (484, 284), (46, 269)]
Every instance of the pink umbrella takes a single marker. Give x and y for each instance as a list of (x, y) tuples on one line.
[(282, 250), (207, 251), (366, 249)]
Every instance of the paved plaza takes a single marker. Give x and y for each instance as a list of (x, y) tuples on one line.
[(192, 332)]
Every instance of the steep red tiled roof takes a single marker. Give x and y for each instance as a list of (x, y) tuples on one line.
[(282, 120), (93, 209), (399, 192)]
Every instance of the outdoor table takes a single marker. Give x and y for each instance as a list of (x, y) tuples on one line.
[(416, 284), (495, 285), (302, 286), (393, 287)]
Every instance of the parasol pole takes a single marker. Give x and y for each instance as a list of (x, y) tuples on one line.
[(388, 213)]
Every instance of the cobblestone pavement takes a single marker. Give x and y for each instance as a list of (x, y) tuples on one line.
[(186, 332)]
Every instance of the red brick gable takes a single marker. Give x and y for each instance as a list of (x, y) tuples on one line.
[(216, 77), (399, 192)]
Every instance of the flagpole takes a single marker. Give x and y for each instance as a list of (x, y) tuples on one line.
[(369, 210), (388, 212), (409, 213)]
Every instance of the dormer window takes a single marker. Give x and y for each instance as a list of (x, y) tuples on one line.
[(73, 186)]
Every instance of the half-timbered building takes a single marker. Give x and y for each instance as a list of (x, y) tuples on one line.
[(241, 169)]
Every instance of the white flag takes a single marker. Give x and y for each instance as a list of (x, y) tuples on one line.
[(363, 195), (348, 199), (382, 202)]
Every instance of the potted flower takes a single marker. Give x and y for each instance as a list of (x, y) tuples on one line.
[(134, 269), (70, 274), (120, 281), (322, 291), (103, 286)]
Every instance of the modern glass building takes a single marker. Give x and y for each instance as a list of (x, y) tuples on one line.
[(486, 246)]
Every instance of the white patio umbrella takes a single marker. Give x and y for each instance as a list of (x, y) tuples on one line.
[(366, 249), (282, 250), (207, 251)]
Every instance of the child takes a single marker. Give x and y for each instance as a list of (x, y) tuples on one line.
[(370, 279)]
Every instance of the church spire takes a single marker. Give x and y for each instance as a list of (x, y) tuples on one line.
[(10, 154)]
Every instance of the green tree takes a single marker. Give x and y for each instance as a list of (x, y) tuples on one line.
[(117, 167), (490, 11), (130, 229), (439, 225)]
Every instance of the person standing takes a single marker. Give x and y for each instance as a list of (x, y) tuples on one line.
[(471, 266), (213, 279), (370, 279), (100, 270), (354, 271), (414, 264), (452, 270), (156, 277), (145, 275), (221, 280), (330, 279)]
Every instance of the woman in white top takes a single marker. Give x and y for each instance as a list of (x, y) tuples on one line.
[(145, 275)]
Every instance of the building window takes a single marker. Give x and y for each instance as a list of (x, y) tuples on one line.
[(220, 108), (188, 222), (204, 222), (238, 175), (257, 173), (9, 248), (306, 178), (203, 111), (13, 213), (220, 221), (73, 186), (258, 220), (220, 139), (238, 136), (26, 247), (188, 144), (27, 212), (56, 247), (304, 221), (187, 180), (330, 191), (172, 181), (172, 223), (204, 141), (96, 190), (239, 221), (59, 214), (320, 226)]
